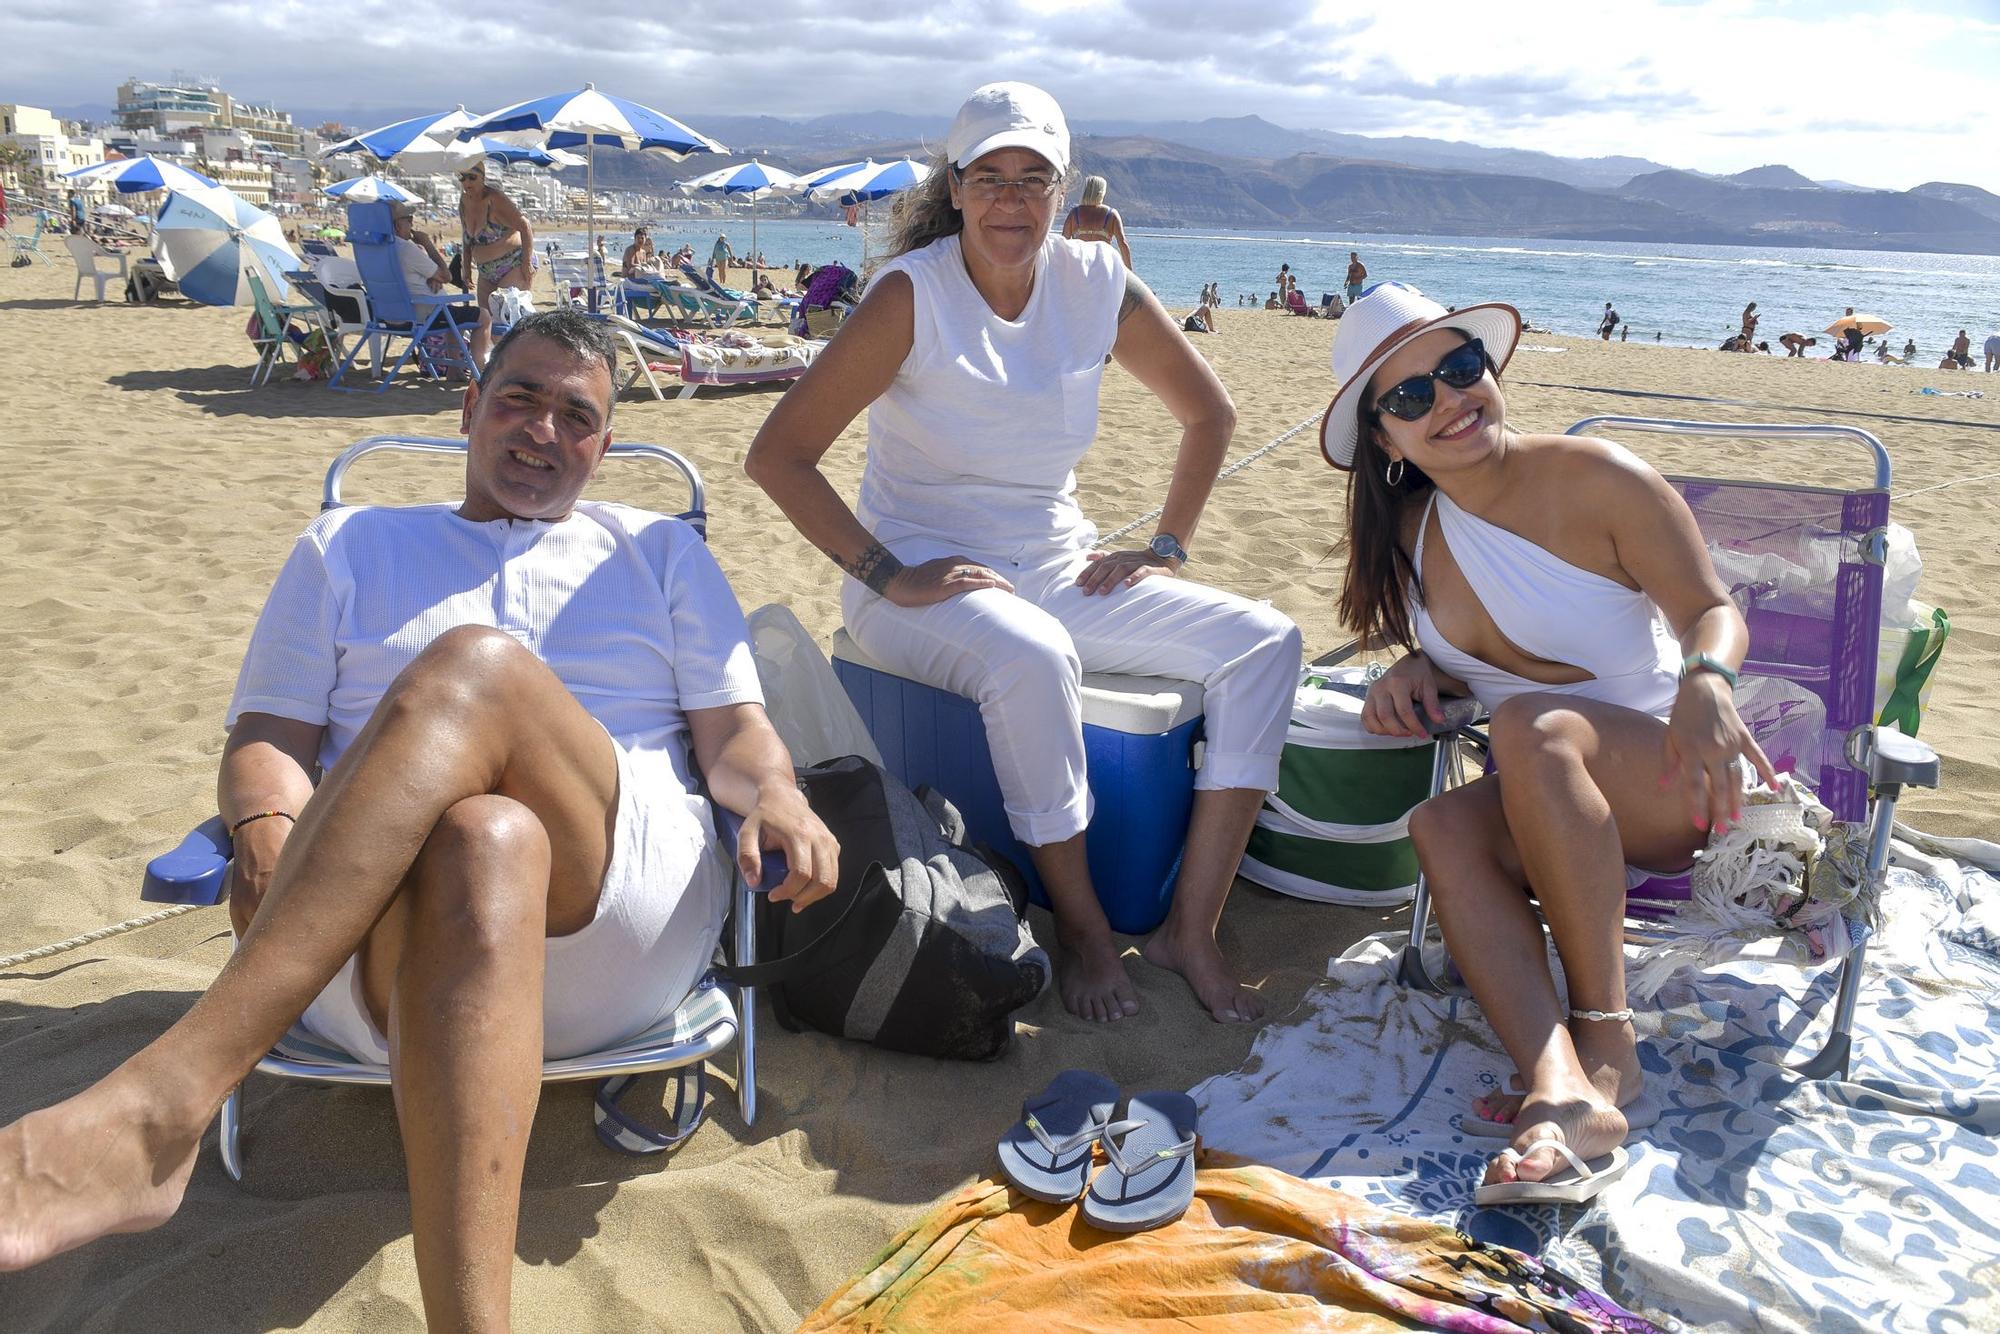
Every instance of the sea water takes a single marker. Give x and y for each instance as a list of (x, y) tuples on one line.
[(1688, 295)]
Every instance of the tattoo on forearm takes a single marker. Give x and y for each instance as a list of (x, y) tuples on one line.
[(874, 567), (1135, 296)]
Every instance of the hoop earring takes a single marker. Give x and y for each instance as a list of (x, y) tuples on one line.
[(1393, 474)]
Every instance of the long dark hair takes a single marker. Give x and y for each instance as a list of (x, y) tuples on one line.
[(1381, 577)]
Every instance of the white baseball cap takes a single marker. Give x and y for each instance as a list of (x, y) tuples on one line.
[(1009, 115), (1387, 316)]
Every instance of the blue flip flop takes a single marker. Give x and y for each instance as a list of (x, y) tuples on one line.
[(1149, 1178), (1047, 1153)]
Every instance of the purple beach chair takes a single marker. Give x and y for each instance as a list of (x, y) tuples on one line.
[(1804, 563)]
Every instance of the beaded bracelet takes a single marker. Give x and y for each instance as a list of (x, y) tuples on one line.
[(261, 815)]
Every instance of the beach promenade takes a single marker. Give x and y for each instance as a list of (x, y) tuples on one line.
[(150, 495)]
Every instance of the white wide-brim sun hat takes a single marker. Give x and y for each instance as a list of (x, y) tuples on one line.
[(1390, 315)]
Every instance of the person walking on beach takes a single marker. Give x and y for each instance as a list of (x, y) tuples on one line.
[(1608, 323), (498, 241), (718, 260), (1094, 220), (1357, 276), (977, 354), (1992, 350)]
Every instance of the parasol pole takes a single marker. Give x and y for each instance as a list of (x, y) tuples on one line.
[(590, 212)]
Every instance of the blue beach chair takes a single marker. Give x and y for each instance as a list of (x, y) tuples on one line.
[(31, 244), (394, 311), (1821, 640), (713, 1017)]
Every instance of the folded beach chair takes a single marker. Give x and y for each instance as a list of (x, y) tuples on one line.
[(96, 263), (580, 281), (1804, 563), (394, 311), (714, 1016), (720, 358)]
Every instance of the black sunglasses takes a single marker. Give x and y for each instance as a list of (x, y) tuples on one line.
[(1412, 399)]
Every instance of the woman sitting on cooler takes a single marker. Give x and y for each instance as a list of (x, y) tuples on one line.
[(1563, 583), (977, 352)]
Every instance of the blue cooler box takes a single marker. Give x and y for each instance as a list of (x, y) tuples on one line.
[(1139, 739)]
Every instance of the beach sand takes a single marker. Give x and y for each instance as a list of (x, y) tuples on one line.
[(150, 496)]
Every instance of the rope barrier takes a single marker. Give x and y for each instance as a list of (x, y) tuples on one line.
[(102, 933), (1235, 467)]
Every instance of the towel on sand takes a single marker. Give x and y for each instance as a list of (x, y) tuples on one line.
[(1258, 1250)]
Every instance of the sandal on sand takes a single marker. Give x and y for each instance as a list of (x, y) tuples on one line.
[(1149, 1181), (1574, 1184), (1047, 1153), (1642, 1112)]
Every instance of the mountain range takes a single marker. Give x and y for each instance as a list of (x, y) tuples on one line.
[(1245, 171)]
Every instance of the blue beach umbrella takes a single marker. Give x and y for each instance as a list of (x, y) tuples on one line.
[(208, 236), (586, 118), (418, 136), (750, 180), (861, 182), (370, 190), (135, 175)]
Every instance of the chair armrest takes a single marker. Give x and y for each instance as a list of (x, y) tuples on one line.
[(729, 828), (194, 872), (1890, 758)]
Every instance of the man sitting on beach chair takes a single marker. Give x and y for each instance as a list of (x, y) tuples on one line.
[(503, 860)]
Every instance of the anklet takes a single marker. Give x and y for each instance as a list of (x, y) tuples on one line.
[(1603, 1016)]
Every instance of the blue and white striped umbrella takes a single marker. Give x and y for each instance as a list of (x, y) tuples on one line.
[(750, 180), (370, 190), (207, 237), (586, 118), (861, 182), (135, 175), (420, 136)]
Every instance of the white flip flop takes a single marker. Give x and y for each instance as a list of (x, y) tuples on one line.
[(1576, 1183), (1640, 1114)]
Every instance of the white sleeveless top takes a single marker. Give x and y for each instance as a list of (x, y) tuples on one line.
[(1552, 610), (976, 441)]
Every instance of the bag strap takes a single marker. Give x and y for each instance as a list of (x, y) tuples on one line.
[(788, 966)]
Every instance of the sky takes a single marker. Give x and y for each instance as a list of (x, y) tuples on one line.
[(1885, 94)]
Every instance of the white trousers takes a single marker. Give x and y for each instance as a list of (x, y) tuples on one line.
[(1021, 656)]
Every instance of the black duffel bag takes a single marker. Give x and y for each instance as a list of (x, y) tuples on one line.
[(924, 945)]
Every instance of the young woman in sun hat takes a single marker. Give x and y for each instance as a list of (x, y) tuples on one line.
[(977, 353), (1562, 582)]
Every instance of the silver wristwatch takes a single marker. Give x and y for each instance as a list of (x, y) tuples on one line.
[(1167, 547)]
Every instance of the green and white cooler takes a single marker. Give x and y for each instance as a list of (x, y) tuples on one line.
[(1337, 828)]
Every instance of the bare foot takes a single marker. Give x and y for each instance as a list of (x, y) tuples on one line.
[(1609, 1055), (98, 1163), (1580, 1117), (1207, 973), (1091, 976)]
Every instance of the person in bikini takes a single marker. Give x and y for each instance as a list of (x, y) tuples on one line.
[(500, 244), (1563, 583), (1094, 220)]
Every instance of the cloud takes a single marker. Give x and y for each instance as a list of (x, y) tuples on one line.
[(1714, 84)]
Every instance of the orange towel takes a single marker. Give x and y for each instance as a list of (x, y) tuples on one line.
[(1259, 1250)]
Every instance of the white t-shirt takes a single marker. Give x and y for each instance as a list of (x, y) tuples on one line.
[(627, 607), (418, 268), (976, 441)]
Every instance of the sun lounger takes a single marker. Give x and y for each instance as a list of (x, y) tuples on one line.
[(714, 1016), (1821, 640), (703, 358)]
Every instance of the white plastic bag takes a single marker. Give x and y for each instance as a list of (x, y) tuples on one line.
[(813, 715), (510, 305)]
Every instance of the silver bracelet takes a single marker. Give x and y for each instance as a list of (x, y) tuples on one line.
[(1603, 1016)]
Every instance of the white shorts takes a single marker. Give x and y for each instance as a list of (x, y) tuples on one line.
[(659, 917)]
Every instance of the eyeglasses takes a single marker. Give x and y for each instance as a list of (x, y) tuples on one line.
[(987, 187), (472, 175), (1413, 399)]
